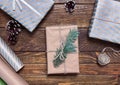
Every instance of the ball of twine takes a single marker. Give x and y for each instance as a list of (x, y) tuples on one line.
[(103, 59)]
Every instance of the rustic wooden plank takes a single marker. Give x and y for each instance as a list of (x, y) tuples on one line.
[(84, 57), (32, 57), (58, 16), (34, 69), (91, 58), (85, 69), (94, 69), (28, 41), (36, 41), (81, 80), (90, 44), (79, 83)]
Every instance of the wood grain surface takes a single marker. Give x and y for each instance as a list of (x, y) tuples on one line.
[(31, 49)]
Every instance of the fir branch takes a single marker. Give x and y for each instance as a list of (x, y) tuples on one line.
[(66, 48), (2, 82)]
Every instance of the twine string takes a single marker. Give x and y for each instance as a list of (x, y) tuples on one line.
[(60, 55), (115, 53), (111, 49), (25, 3)]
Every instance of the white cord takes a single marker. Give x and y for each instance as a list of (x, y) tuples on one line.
[(109, 48), (25, 3)]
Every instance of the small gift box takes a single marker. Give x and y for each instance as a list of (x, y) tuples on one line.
[(56, 38), (27, 12)]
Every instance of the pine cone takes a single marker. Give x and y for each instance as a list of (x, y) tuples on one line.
[(70, 5), (13, 29)]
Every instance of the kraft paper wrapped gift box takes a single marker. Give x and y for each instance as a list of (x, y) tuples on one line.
[(105, 24), (33, 11), (71, 64)]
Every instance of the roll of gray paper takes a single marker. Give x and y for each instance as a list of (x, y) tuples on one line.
[(10, 56)]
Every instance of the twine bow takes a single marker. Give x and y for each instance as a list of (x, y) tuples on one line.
[(25, 3), (60, 55)]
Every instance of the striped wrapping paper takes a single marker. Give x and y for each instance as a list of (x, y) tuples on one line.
[(28, 18), (10, 56), (105, 24)]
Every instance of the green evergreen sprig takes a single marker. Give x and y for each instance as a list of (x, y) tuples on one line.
[(66, 48), (2, 82)]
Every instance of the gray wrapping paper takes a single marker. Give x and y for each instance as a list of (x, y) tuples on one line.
[(106, 21), (10, 56), (27, 17)]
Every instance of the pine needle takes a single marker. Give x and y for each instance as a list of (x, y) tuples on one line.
[(68, 47)]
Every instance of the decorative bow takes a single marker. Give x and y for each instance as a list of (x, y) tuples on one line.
[(21, 8), (60, 54)]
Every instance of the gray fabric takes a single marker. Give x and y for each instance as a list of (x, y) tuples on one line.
[(27, 17), (106, 21)]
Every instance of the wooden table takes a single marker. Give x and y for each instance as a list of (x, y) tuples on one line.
[(32, 46)]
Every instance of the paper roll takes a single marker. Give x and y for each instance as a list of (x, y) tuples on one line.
[(10, 56), (10, 76)]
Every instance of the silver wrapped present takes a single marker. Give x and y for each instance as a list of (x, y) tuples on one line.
[(105, 24), (27, 12)]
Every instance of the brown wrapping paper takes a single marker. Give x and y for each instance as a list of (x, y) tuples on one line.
[(53, 35), (9, 75)]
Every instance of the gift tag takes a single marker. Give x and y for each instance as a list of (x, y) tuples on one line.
[(104, 58)]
